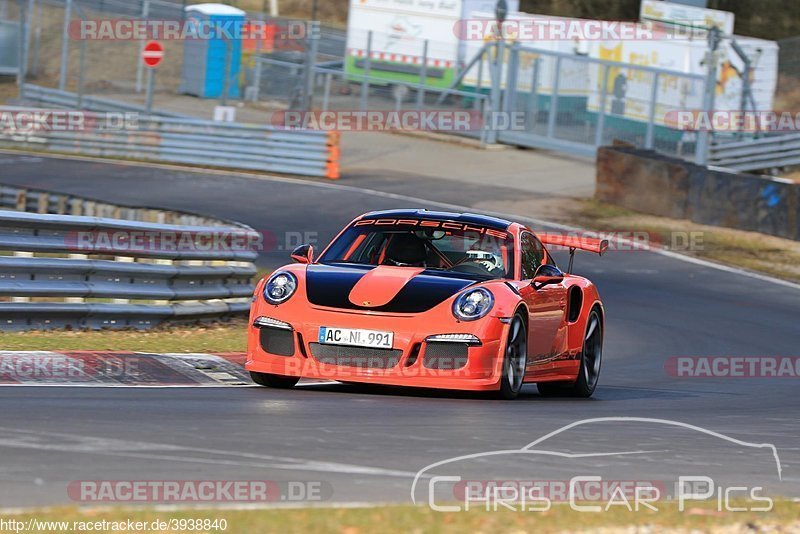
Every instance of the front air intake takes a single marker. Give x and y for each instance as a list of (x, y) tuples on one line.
[(445, 356), (361, 357), (277, 341)]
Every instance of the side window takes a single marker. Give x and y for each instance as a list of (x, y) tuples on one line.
[(532, 255)]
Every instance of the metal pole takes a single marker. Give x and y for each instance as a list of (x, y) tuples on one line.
[(510, 103), (551, 119), (703, 136), (37, 42), (312, 42), (463, 72), (365, 81), (29, 32), (423, 75), (326, 94), (23, 55), (226, 83), (62, 77), (257, 81), (601, 113), (533, 97), (496, 92), (81, 73), (651, 119), (479, 85), (140, 62), (148, 105)]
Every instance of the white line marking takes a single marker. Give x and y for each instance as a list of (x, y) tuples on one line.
[(37, 440)]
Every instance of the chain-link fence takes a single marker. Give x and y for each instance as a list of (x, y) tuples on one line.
[(81, 46)]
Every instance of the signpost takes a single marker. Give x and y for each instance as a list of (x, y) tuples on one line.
[(152, 56)]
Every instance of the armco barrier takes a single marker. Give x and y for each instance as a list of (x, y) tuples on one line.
[(83, 271), (39, 201), (652, 183), (771, 151), (48, 97), (177, 139)]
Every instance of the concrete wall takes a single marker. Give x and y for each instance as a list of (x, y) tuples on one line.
[(652, 183)]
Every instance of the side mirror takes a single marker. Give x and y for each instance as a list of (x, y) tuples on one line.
[(303, 254), (547, 275)]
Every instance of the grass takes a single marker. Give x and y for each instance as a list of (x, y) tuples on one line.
[(402, 519), (750, 250), (222, 337)]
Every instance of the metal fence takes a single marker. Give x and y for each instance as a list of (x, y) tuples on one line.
[(575, 103), (187, 141), (82, 271), (571, 102)]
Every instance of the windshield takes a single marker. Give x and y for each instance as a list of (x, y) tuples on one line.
[(438, 245)]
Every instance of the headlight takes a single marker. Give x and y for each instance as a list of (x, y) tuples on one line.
[(473, 304), (280, 287)]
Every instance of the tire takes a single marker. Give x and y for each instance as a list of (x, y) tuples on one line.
[(514, 360), (274, 381), (591, 361)]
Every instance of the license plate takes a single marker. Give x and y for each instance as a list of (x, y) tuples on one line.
[(356, 337)]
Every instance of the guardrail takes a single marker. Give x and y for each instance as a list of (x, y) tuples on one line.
[(39, 201), (47, 96), (139, 274), (181, 140), (767, 152)]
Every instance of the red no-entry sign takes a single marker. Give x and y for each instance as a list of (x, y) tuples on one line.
[(153, 54)]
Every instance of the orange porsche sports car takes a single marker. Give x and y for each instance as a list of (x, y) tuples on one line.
[(431, 299)]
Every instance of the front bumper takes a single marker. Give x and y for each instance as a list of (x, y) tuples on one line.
[(412, 361)]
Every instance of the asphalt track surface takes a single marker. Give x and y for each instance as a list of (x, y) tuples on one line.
[(366, 444)]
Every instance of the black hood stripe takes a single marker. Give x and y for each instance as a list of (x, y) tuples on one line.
[(330, 286)]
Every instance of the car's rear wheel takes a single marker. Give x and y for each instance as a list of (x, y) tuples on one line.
[(274, 381), (591, 360), (514, 360)]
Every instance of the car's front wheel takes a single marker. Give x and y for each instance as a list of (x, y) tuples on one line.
[(591, 359), (274, 381), (515, 359)]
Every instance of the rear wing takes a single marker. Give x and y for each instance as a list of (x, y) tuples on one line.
[(573, 243)]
